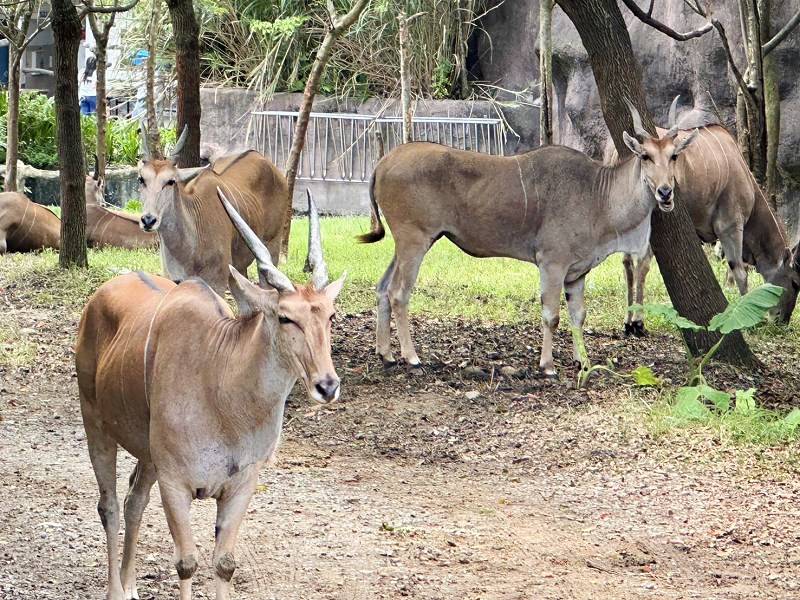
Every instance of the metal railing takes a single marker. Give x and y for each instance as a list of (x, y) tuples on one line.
[(343, 147)]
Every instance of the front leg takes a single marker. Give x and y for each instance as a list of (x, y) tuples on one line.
[(574, 293), (177, 501), (231, 508), (552, 282)]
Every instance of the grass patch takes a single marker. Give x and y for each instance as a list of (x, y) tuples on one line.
[(744, 423), (16, 350)]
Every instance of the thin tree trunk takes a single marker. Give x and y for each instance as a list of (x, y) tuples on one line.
[(102, 103), (153, 134), (339, 25), (187, 61), (67, 37), (691, 284), (12, 120), (546, 72), (405, 80), (772, 105)]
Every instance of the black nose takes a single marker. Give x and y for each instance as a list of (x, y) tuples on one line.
[(664, 192), (327, 387), (148, 221)]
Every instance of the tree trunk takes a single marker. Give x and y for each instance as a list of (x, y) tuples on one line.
[(153, 134), (187, 60), (546, 72), (772, 105), (692, 287), (67, 37), (405, 80), (12, 120), (339, 26), (102, 103)]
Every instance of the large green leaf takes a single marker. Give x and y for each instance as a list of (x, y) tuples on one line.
[(689, 406), (687, 396), (667, 313), (747, 311)]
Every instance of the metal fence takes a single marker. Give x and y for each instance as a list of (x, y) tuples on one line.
[(343, 147)]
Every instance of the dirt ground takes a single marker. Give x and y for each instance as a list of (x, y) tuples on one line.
[(412, 487)]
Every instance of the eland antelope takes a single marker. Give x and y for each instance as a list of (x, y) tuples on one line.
[(196, 239), (725, 204), (197, 394), (26, 226), (553, 206), (107, 227)]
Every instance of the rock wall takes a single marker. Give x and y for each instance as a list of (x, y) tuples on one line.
[(507, 55)]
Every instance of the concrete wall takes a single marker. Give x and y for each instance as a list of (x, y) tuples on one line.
[(225, 121), (44, 187)]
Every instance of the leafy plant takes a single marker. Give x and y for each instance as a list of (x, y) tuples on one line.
[(742, 313)]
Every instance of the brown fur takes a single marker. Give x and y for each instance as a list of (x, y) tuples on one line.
[(26, 226), (196, 236)]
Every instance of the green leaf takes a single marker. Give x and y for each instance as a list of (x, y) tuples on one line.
[(667, 313), (745, 401), (645, 377), (689, 406), (747, 311), (792, 420), (721, 400)]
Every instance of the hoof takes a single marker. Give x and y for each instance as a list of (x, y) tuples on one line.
[(388, 363), (637, 328)]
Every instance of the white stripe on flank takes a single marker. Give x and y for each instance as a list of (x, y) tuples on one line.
[(147, 346), (524, 191)]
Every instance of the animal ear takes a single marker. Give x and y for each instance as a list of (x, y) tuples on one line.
[(685, 142), (332, 290), (632, 143), (249, 298)]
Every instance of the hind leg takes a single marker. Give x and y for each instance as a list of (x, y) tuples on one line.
[(141, 481), (383, 342), (409, 255), (627, 264), (103, 454), (731, 242)]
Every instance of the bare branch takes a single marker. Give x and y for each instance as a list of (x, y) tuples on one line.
[(650, 8), (346, 20), (658, 25), (39, 29), (88, 8), (748, 94), (781, 35)]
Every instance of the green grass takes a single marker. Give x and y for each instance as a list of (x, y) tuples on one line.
[(15, 348), (751, 426)]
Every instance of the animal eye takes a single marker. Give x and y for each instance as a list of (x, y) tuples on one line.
[(795, 286), (141, 181), (674, 157), (285, 320), (645, 157), (171, 182)]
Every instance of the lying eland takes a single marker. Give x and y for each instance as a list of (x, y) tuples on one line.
[(107, 227), (197, 395), (196, 237), (26, 226), (554, 207), (725, 204)]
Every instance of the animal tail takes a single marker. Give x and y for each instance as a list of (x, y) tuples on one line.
[(378, 231)]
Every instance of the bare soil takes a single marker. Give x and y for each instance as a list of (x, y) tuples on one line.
[(411, 487)]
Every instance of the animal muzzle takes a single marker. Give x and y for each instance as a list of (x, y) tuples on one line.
[(326, 389), (665, 198), (149, 222)]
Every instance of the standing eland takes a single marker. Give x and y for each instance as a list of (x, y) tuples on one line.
[(554, 207), (725, 204), (196, 394), (196, 239)]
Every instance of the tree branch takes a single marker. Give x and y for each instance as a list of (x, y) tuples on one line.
[(39, 29), (748, 94), (648, 20), (781, 35), (346, 20), (88, 8)]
